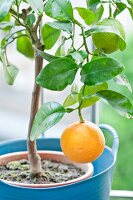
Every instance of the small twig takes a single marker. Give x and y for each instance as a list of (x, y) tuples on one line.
[(13, 12), (15, 39), (18, 20), (110, 9), (80, 47), (80, 104), (10, 36), (85, 43), (84, 38)]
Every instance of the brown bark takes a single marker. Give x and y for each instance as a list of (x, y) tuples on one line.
[(34, 158)]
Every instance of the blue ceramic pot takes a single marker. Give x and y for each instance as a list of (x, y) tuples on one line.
[(96, 188)]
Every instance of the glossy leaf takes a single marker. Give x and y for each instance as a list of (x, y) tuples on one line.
[(99, 12), (130, 2), (120, 7), (122, 80), (131, 12), (59, 9), (64, 26), (47, 116), (49, 35), (100, 70), (79, 56), (104, 29), (115, 27), (36, 5), (87, 15), (58, 74), (30, 20), (71, 100), (88, 97), (24, 46), (10, 73), (83, 54), (6, 18), (111, 26), (118, 101), (95, 29), (75, 89), (5, 7), (18, 2), (92, 4), (46, 56), (60, 51)]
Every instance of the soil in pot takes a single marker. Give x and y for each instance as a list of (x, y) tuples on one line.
[(53, 172)]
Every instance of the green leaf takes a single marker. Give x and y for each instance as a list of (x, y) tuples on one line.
[(114, 28), (24, 46), (120, 7), (100, 70), (58, 74), (30, 20), (64, 26), (10, 73), (36, 5), (98, 13), (60, 51), (87, 15), (130, 2), (18, 2), (122, 80), (95, 29), (118, 101), (104, 29), (6, 25), (92, 4), (71, 100), (79, 56), (131, 12), (47, 116), (75, 89), (46, 56), (49, 36), (83, 54), (88, 97), (5, 6), (7, 18), (59, 9), (107, 29)]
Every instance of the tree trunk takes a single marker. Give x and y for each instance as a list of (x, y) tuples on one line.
[(34, 158)]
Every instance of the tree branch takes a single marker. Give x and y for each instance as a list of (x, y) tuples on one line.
[(37, 23)]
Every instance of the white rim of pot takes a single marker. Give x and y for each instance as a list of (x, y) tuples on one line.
[(56, 156)]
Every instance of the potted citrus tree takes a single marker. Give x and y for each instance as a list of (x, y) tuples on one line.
[(83, 141)]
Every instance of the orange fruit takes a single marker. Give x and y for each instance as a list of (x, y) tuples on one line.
[(82, 142)]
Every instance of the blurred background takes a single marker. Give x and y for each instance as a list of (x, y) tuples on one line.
[(15, 105)]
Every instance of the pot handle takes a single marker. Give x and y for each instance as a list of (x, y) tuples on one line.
[(114, 134)]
